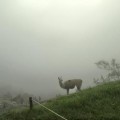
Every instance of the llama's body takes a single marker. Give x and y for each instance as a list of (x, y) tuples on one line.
[(70, 84)]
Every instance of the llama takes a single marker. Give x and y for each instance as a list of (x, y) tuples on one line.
[(70, 84)]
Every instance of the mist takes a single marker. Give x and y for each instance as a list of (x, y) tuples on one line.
[(42, 40)]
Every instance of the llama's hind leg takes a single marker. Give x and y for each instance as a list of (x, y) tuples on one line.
[(78, 88), (67, 91)]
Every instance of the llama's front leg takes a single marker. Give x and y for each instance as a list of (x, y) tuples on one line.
[(67, 91)]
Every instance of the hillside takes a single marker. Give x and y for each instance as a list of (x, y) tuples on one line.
[(98, 103)]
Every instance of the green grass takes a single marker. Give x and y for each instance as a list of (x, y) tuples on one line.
[(98, 103)]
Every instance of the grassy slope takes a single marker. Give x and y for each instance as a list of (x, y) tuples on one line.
[(98, 103)]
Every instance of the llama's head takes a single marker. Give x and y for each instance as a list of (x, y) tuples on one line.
[(60, 79)]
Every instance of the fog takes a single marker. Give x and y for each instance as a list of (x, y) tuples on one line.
[(43, 39)]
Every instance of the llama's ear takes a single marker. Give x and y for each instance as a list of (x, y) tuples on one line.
[(59, 78)]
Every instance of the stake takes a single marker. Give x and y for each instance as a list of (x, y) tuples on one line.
[(31, 103)]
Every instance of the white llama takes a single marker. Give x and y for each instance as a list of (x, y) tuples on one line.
[(70, 84)]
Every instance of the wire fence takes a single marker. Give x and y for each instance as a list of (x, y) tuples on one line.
[(48, 109), (4, 108)]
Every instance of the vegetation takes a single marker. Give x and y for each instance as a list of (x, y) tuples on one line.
[(98, 103), (112, 68)]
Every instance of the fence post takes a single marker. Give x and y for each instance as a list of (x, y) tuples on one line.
[(31, 103)]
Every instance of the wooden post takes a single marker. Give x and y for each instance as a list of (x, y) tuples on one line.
[(31, 103)]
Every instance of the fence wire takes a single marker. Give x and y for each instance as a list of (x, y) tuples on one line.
[(50, 110)]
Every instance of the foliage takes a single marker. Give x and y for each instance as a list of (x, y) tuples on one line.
[(97, 103), (113, 69)]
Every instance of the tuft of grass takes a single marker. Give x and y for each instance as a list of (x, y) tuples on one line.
[(98, 103)]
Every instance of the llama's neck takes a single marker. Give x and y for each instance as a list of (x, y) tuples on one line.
[(61, 84)]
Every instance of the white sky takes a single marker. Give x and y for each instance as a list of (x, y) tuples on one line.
[(43, 39)]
